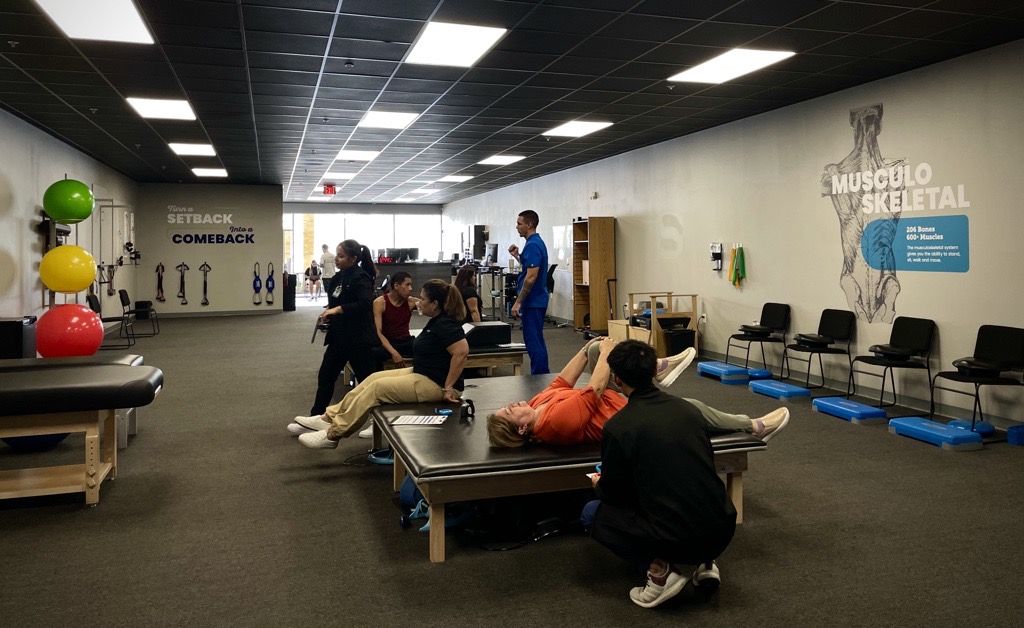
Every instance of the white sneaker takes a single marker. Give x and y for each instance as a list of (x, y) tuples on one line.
[(772, 423), (651, 594), (367, 433), (669, 368), (318, 440), (315, 423), (296, 429), (707, 579)]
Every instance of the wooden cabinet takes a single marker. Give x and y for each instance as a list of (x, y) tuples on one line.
[(670, 313), (593, 264)]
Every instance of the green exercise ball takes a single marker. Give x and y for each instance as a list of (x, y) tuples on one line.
[(68, 201)]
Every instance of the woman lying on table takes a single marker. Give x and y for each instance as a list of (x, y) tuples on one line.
[(439, 353), (564, 415)]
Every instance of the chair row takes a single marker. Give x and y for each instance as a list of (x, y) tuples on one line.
[(126, 320), (998, 351)]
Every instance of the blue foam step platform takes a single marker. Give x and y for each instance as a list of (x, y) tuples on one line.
[(1015, 435), (779, 390), (982, 427), (726, 373), (759, 374), (847, 410), (935, 433)]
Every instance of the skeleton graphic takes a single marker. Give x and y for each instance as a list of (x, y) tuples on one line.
[(871, 292)]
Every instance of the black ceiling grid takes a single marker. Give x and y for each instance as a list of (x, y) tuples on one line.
[(263, 75)]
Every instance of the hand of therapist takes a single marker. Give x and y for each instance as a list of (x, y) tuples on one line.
[(399, 361), (586, 347), (514, 251), (594, 479), (607, 344), (516, 308), (451, 395)]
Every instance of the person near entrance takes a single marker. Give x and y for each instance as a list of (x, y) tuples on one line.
[(532, 301), (327, 265)]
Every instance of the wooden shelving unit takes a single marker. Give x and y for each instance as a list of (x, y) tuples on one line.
[(593, 264), (680, 311)]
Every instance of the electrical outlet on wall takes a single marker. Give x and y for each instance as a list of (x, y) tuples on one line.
[(703, 319)]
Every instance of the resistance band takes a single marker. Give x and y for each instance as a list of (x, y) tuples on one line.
[(270, 283), (160, 282), (257, 284), (182, 267), (206, 268)]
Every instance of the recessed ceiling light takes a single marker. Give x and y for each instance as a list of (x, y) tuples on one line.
[(205, 150), (357, 155), (210, 172), (458, 45), (729, 65), (104, 20), (338, 176), (387, 119), (163, 108), (454, 178), (577, 128), (424, 191), (501, 160), (406, 199), (320, 198)]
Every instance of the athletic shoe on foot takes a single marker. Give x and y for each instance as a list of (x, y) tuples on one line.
[(367, 433), (653, 594), (772, 423), (382, 456), (669, 368), (706, 579), (318, 440), (315, 423), (295, 429)]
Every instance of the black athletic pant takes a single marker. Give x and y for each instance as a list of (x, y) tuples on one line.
[(380, 354), (336, 355)]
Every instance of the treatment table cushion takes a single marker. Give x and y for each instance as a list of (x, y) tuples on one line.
[(81, 388), (460, 446), (29, 364)]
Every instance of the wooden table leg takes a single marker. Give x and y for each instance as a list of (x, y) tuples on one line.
[(92, 464), (399, 474), (734, 487), (517, 369), (110, 442), (436, 533)]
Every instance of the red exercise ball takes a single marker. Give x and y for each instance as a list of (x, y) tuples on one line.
[(68, 330)]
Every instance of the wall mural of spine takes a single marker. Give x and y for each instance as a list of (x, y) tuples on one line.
[(871, 290), (876, 200)]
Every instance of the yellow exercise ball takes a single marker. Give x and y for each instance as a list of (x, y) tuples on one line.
[(67, 269)]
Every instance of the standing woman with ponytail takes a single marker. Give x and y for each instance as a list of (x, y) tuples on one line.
[(350, 313), (439, 354)]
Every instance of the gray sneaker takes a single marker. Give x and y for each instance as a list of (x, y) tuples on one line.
[(651, 594), (669, 368), (314, 423)]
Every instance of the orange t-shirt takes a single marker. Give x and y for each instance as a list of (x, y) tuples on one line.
[(573, 415)]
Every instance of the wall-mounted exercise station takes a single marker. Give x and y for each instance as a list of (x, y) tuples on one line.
[(997, 361), (71, 388)]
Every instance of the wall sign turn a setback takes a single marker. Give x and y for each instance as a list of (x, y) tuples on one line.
[(219, 222), (928, 244)]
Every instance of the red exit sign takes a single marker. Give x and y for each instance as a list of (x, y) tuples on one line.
[(329, 190)]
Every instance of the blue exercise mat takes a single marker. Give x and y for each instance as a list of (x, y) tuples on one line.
[(982, 427), (779, 390), (847, 410), (726, 373), (759, 374), (935, 433)]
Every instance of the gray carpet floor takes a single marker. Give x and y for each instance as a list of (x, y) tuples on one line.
[(219, 518)]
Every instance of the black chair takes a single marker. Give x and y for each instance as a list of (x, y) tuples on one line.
[(909, 347), (142, 311), (996, 351), (772, 329), (551, 278), (834, 328), (125, 330), (384, 286)]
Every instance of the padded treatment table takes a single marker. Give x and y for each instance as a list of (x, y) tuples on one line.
[(71, 399), (454, 462), (479, 357), (127, 420)]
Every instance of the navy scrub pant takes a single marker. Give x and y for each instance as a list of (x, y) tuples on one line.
[(533, 336)]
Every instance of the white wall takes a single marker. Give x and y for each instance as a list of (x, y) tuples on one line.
[(29, 162), (758, 182), (240, 212)]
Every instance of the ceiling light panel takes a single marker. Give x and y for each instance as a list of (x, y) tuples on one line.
[(502, 160), (357, 155), (210, 172), (424, 191), (457, 45), (103, 20), (387, 119), (338, 176), (162, 108), (730, 65), (454, 179), (204, 150), (577, 128)]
